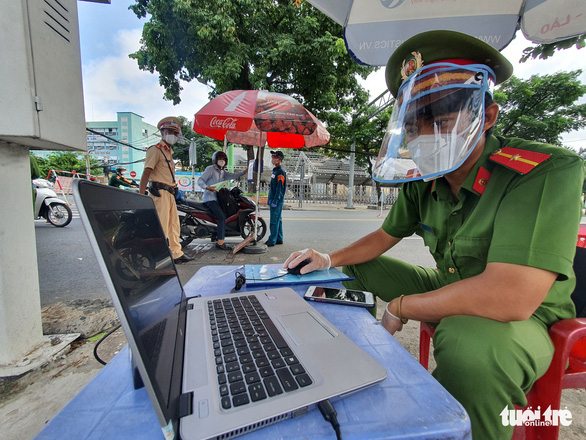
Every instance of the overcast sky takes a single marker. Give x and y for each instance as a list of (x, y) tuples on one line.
[(113, 82)]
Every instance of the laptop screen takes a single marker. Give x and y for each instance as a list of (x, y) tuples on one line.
[(139, 263)]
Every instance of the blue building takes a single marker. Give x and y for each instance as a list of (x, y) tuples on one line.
[(134, 136), (122, 142)]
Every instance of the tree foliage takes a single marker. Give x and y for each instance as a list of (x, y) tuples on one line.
[(67, 161), (542, 107), (367, 133), (249, 44), (205, 147), (544, 51)]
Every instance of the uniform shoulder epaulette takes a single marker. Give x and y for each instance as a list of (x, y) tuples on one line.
[(521, 161), (160, 145), (412, 173)]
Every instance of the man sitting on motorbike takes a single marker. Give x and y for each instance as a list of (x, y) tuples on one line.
[(212, 175), (119, 180)]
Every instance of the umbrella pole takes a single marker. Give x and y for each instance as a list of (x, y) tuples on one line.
[(256, 247), (258, 171)]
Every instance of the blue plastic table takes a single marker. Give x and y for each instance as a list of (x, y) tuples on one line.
[(408, 404)]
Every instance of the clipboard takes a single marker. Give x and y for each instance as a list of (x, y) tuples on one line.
[(275, 275)]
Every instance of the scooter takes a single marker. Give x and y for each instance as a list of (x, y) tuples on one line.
[(197, 221), (48, 206)]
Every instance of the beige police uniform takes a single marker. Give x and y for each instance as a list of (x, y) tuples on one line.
[(159, 158)]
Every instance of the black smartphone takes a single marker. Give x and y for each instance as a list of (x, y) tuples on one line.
[(357, 298)]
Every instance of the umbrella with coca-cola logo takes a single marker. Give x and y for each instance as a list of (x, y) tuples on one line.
[(258, 117)]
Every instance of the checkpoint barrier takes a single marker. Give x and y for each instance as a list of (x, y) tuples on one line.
[(63, 181)]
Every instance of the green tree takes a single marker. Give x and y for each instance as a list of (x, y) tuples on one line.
[(204, 150), (67, 161), (359, 127), (544, 51), (541, 108), (249, 44)]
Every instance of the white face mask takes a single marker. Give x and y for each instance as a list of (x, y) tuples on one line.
[(221, 163), (170, 138), (435, 154)]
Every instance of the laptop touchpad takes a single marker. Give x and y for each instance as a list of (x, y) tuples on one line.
[(305, 329)]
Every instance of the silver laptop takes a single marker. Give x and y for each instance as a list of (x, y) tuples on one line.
[(218, 366)]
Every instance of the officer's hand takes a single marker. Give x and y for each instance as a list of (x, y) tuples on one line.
[(318, 261), (273, 205), (390, 322)]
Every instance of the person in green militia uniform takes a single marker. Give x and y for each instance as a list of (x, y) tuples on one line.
[(499, 215), (276, 198), (119, 180)]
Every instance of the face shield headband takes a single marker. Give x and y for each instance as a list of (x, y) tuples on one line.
[(436, 122)]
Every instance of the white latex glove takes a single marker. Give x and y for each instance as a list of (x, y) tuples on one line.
[(318, 260), (391, 322)]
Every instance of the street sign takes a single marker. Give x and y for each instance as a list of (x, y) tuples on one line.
[(133, 174)]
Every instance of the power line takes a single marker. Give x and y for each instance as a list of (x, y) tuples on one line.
[(114, 140), (575, 140)]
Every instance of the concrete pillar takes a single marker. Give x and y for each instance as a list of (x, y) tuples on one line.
[(20, 305)]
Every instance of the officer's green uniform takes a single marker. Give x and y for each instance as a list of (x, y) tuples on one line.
[(520, 204), (502, 216)]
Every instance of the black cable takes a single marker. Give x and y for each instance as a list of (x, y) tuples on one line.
[(102, 340), (330, 415), (241, 280)]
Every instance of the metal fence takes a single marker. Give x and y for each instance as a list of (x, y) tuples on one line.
[(333, 193)]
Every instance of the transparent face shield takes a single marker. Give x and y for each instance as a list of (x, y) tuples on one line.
[(171, 136), (436, 122)]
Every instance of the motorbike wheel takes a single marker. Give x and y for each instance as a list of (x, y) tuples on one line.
[(248, 228), (185, 239), (59, 215), (132, 264)]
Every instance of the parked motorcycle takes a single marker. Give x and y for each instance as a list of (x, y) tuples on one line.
[(197, 221), (49, 206)]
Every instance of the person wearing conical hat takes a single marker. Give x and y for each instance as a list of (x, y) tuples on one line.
[(500, 216), (159, 174)]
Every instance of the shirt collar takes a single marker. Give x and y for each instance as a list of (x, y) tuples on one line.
[(492, 144), (441, 188)]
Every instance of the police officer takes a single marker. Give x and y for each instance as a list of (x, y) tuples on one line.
[(118, 179), (499, 215), (277, 198), (159, 173)]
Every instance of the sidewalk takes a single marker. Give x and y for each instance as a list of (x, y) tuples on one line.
[(29, 402)]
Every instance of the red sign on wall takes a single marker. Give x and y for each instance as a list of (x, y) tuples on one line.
[(133, 174)]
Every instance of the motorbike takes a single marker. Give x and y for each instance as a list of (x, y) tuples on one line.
[(197, 221), (48, 206)]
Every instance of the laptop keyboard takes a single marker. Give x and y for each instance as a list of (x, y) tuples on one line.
[(253, 361)]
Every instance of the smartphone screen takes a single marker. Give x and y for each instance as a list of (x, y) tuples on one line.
[(330, 294)]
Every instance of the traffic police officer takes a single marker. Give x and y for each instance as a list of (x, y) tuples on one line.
[(160, 175), (500, 217)]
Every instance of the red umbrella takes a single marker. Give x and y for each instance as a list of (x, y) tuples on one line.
[(258, 117)]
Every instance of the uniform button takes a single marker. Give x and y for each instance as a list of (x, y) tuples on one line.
[(452, 270), (455, 213)]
